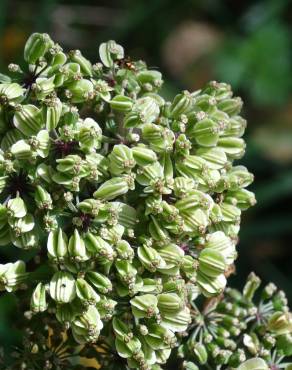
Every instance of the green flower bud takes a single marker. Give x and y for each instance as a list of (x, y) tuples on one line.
[(27, 119), (144, 306), (76, 248), (112, 188), (62, 287), (211, 262), (87, 326), (121, 159), (99, 281), (121, 103), (38, 302), (36, 47), (57, 245), (12, 275)]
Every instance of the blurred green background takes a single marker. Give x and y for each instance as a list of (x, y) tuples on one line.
[(246, 43)]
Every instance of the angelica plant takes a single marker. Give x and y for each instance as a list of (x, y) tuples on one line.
[(127, 205)]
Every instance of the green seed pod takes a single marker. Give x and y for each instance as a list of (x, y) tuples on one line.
[(90, 135), (51, 112), (239, 177), (21, 150), (143, 155), (10, 92), (76, 248), (181, 104), (215, 157), (99, 281), (112, 188), (124, 250), (160, 139), (157, 231), (109, 52), (121, 103), (86, 293), (43, 87), (178, 322), (158, 337), (80, 90), (205, 132), (169, 303), (241, 198), (284, 343), (36, 47), (280, 323), (38, 302), (234, 147), (235, 127), (57, 245), (144, 306), (28, 240), (27, 119), (150, 258), (211, 286), (182, 186), (62, 287), (87, 326), (12, 275), (66, 313), (85, 65), (21, 225), (187, 365), (42, 198), (97, 246), (211, 262), (200, 353), (16, 208), (231, 106), (121, 159), (254, 364), (223, 244), (195, 199), (152, 77)]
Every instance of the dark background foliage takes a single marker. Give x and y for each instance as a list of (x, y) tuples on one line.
[(244, 42)]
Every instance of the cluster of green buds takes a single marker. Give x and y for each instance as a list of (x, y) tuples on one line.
[(242, 330), (130, 203)]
